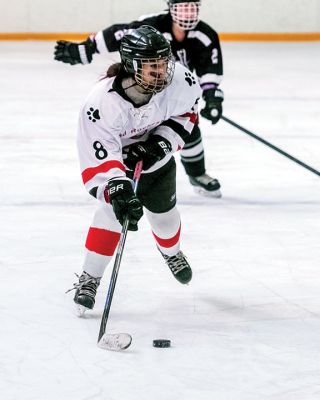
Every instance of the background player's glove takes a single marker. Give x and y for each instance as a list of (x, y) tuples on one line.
[(213, 108), (150, 151), (120, 194), (75, 53)]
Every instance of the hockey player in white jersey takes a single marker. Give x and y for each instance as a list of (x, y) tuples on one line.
[(195, 45), (144, 109)]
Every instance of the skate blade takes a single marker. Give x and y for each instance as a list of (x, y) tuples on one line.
[(115, 342), (80, 310), (206, 193)]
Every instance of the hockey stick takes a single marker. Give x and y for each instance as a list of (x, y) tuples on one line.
[(271, 145), (117, 341)]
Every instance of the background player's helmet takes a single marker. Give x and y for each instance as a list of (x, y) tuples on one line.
[(185, 13), (144, 49)]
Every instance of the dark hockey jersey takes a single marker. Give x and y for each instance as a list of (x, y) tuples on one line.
[(200, 51)]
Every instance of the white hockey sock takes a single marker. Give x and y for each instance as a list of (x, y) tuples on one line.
[(102, 240), (166, 230)]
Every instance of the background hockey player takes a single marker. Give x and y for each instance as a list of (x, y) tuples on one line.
[(144, 109), (195, 45)]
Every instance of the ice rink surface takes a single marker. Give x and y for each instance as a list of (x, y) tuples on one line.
[(248, 325)]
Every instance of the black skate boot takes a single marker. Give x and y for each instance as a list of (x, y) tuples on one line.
[(86, 290), (179, 267), (205, 185)]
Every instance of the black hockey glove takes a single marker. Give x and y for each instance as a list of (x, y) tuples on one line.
[(213, 108), (121, 196), (150, 151), (75, 53)]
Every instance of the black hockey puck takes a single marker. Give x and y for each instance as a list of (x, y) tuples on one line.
[(161, 343)]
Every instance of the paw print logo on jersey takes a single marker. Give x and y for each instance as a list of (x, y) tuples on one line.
[(93, 114), (189, 78)]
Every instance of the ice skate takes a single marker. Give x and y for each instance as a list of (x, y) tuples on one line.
[(205, 185), (179, 267), (86, 290)]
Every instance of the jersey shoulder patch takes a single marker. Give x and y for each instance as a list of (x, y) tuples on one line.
[(184, 77), (185, 88), (98, 105)]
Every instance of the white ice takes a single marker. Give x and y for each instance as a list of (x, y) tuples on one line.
[(248, 325)]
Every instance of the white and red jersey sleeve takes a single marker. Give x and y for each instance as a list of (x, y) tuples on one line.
[(99, 143)]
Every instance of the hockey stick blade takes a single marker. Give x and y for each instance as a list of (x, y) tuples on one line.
[(115, 342)]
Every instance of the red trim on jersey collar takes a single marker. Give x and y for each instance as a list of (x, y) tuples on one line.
[(90, 173)]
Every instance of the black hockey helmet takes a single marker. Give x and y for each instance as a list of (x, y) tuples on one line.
[(146, 54), (185, 13)]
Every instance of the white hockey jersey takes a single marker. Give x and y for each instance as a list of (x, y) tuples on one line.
[(108, 122)]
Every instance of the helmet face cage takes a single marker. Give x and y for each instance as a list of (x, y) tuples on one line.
[(154, 74), (146, 55), (185, 14)]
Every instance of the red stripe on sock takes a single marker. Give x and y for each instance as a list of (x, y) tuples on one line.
[(90, 173), (168, 242), (102, 241)]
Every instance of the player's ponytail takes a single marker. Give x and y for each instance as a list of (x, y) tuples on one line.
[(114, 70)]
